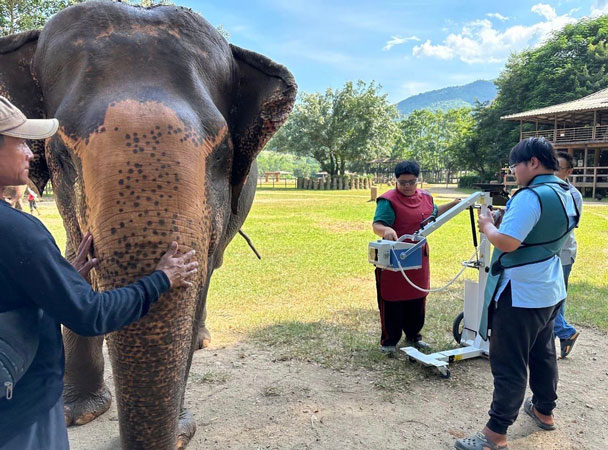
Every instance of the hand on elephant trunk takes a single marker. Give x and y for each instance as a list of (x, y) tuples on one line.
[(81, 262), (178, 269)]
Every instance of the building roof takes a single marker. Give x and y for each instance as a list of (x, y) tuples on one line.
[(594, 102)]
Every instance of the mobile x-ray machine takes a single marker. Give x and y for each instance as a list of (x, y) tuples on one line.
[(402, 256)]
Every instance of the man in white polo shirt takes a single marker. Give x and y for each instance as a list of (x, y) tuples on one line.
[(565, 332)]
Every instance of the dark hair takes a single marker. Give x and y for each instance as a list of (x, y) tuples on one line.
[(407, 168), (537, 147), (1, 140), (568, 157)]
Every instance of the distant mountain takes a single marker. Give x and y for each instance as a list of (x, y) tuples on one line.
[(450, 97)]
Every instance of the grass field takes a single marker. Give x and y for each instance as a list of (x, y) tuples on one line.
[(312, 295)]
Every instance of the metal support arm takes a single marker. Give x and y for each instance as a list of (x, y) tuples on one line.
[(471, 200)]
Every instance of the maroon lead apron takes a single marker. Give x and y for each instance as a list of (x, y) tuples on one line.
[(409, 213)]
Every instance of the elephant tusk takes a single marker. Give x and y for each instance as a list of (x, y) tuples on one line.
[(242, 233)]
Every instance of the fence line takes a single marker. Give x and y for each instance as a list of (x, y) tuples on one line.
[(335, 183)]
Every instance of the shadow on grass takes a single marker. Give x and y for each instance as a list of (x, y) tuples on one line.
[(350, 344)]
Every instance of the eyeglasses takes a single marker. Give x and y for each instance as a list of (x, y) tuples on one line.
[(564, 168), (408, 182), (513, 166)]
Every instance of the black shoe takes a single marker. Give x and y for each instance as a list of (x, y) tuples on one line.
[(566, 345), (529, 410)]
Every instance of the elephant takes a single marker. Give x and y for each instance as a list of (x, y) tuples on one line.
[(160, 124)]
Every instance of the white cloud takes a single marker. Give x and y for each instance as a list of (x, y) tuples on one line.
[(396, 40), (437, 51), (599, 8), (498, 16), (480, 42), (544, 10)]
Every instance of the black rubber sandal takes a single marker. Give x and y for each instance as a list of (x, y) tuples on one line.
[(567, 344), (478, 441), (529, 410)]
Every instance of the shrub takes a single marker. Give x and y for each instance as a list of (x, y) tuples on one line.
[(468, 181)]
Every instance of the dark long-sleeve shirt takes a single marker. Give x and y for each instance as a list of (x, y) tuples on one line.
[(34, 274)]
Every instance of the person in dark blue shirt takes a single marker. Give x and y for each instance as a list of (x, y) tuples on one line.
[(33, 418)]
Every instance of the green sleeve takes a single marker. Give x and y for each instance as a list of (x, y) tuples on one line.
[(435, 210), (384, 212)]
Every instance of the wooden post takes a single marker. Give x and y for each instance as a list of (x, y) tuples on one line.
[(373, 193), (585, 168), (596, 163), (594, 181), (594, 125), (555, 130), (334, 183)]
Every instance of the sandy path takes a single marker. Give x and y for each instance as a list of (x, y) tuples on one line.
[(242, 398)]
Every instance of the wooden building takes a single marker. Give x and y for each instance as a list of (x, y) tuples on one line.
[(579, 127)]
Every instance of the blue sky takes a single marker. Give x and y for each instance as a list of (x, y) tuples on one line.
[(407, 46)]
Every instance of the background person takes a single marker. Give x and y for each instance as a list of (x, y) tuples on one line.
[(566, 333), (31, 198), (33, 418), (525, 292), (400, 211)]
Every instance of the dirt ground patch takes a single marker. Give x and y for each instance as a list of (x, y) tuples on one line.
[(242, 397)]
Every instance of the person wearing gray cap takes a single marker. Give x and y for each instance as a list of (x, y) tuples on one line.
[(31, 405)]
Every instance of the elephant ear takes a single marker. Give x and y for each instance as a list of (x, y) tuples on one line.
[(18, 84), (264, 97)]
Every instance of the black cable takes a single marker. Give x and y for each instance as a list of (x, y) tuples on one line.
[(473, 227)]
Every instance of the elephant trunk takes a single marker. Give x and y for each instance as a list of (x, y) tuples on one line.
[(144, 186)]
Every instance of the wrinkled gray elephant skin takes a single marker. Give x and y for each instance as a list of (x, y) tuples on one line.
[(160, 123)]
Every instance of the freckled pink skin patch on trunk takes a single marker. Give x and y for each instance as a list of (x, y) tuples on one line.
[(143, 178)]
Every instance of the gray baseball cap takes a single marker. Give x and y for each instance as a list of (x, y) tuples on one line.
[(14, 123)]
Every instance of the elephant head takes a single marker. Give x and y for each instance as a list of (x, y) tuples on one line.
[(160, 122)]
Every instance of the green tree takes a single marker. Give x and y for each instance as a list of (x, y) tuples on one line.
[(23, 15), (435, 139), (305, 166), (341, 129), (273, 161), (569, 65), (481, 151)]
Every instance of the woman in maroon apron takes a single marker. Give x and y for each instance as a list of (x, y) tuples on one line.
[(400, 211)]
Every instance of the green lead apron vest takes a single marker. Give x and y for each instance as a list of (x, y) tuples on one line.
[(542, 243)]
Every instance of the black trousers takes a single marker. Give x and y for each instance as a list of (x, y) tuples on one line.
[(397, 317), (521, 338)]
